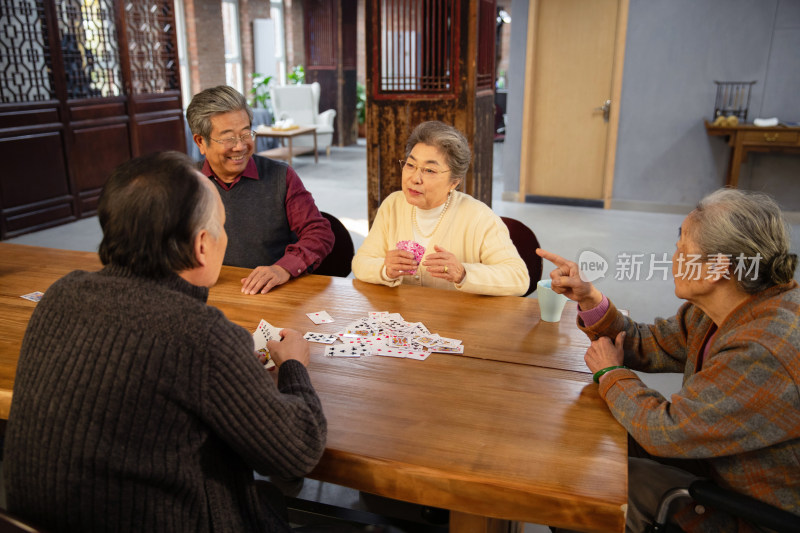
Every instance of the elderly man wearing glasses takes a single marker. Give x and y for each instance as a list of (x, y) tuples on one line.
[(430, 234), (273, 224)]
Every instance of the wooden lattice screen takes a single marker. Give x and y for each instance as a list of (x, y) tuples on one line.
[(416, 47), (321, 34), (84, 86), (153, 57), (26, 73)]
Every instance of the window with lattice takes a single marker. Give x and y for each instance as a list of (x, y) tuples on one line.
[(417, 52)]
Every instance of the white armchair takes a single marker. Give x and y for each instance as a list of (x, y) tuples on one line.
[(301, 104)]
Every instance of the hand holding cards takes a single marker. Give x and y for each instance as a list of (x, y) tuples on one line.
[(415, 248), (279, 345)]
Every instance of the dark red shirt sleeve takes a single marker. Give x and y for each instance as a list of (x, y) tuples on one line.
[(313, 230)]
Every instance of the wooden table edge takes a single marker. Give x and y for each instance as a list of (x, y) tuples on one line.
[(552, 508)]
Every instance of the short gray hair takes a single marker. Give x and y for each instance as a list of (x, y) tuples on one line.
[(151, 209), (734, 222), (447, 140), (205, 215), (213, 101)]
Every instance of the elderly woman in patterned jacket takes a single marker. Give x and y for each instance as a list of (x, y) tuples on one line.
[(736, 340)]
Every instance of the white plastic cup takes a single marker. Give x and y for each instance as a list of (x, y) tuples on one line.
[(551, 304)]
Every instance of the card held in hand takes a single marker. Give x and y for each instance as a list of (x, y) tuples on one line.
[(265, 332)]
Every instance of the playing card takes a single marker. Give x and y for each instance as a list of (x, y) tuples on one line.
[(396, 325), (33, 296), (378, 314), (415, 248), (322, 338), (396, 317), (419, 356), (417, 328), (265, 332), (320, 317), (362, 341), (399, 340), (427, 339), (346, 351), (448, 349), (269, 364), (444, 341), (268, 331), (387, 351)]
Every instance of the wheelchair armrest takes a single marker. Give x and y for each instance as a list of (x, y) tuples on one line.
[(758, 512)]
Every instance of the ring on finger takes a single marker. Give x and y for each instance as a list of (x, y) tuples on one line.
[(444, 270)]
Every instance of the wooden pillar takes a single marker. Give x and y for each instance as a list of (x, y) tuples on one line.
[(330, 44), (428, 60)]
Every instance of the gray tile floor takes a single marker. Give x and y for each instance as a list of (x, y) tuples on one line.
[(338, 184)]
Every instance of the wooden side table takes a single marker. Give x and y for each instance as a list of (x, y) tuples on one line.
[(283, 152), (746, 138)]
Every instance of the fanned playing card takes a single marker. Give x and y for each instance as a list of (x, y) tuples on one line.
[(265, 332)]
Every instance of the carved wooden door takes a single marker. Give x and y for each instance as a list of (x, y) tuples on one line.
[(84, 86)]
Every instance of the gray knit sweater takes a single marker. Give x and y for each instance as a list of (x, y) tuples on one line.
[(137, 407)]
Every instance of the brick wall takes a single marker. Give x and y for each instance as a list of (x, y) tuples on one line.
[(249, 10), (204, 43), (293, 23)]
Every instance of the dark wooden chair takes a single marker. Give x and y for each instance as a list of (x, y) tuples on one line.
[(709, 494), (339, 260), (526, 243)]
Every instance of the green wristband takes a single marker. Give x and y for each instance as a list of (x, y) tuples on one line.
[(599, 373)]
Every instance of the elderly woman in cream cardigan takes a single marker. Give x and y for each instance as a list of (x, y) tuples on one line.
[(432, 235)]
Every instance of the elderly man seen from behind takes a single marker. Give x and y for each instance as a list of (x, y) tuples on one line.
[(736, 340), (138, 407), (272, 222)]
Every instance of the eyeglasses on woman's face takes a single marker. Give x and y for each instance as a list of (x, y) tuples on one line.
[(231, 142), (409, 167)]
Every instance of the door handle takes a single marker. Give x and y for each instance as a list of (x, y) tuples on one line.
[(606, 109)]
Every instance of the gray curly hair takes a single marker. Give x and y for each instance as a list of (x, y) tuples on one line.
[(748, 224), (447, 140)]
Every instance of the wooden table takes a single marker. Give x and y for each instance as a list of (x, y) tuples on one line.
[(746, 138), (513, 430), (282, 152)]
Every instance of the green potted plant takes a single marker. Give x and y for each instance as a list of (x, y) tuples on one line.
[(297, 76), (361, 109), (260, 90)]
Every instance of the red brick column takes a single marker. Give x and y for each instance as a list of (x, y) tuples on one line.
[(204, 43)]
